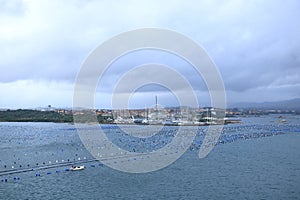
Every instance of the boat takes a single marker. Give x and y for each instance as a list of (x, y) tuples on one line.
[(77, 168), (140, 121)]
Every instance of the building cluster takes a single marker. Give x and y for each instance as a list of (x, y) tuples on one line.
[(172, 115), (166, 116)]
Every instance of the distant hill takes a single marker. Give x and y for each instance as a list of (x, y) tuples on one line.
[(292, 104), (33, 116)]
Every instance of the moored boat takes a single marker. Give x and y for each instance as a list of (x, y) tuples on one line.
[(76, 168)]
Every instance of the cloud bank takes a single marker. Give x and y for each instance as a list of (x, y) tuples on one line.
[(255, 45)]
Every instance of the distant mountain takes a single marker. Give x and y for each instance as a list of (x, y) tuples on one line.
[(292, 104)]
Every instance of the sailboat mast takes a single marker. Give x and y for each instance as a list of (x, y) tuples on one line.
[(156, 110)]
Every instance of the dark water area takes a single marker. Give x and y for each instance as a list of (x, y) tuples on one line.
[(258, 159)]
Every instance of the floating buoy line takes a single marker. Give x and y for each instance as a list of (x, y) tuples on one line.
[(16, 171), (59, 165), (128, 143)]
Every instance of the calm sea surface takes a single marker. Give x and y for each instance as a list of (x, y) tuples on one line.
[(258, 159)]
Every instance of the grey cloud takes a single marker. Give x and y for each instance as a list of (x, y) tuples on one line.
[(255, 44)]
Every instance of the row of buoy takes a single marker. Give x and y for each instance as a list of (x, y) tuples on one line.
[(57, 171), (133, 144), (15, 166), (136, 146), (50, 162), (224, 139), (5, 180)]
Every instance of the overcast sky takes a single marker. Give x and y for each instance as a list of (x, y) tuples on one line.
[(254, 44)]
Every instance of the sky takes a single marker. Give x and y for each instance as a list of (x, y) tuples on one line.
[(43, 44)]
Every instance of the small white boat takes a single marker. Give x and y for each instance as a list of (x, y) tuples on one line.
[(76, 168)]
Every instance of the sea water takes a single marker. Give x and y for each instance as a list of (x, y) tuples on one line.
[(257, 159)]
